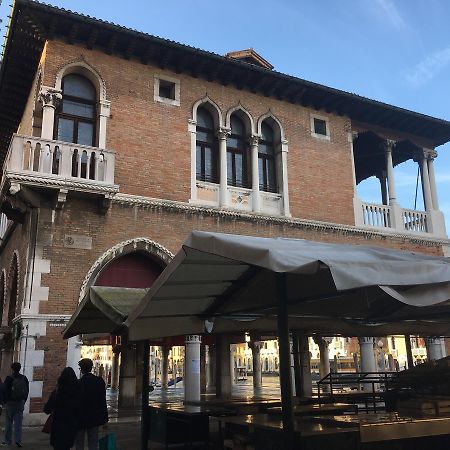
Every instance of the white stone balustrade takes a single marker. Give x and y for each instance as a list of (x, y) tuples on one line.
[(410, 221), (60, 160)]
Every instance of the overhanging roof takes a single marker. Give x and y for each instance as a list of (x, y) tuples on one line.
[(32, 23), (230, 281), (103, 310)]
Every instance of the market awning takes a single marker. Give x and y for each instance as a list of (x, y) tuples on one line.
[(228, 282), (103, 310)]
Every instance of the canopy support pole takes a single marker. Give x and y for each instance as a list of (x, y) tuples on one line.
[(145, 418), (297, 368), (285, 362), (409, 355)]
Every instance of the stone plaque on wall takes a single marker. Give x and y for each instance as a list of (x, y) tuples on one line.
[(78, 241)]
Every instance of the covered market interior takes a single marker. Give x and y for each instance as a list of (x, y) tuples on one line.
[(223, 285)]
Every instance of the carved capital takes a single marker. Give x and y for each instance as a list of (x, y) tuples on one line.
[(61, 199), (430, 154), (223, 133), (254, 140), (389, 145), (50, 96)]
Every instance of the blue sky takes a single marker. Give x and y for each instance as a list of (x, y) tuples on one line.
[(395, 51)]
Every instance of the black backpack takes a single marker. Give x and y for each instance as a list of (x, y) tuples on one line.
[(19, 388)]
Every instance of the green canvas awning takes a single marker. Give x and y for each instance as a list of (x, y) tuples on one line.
[(103, 310)]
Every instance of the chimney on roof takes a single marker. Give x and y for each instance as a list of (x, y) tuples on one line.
[(249, 56)]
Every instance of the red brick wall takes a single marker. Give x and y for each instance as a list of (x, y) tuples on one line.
[(153, 144)]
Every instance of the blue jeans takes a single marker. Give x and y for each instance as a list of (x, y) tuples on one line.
[(92, 438), (14, 413)]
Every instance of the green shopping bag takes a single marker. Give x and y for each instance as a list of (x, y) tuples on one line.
[(107, 442)]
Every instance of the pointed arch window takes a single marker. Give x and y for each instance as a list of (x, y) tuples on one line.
[(266, 160), (237, 172), (76, 115), (206, 147)]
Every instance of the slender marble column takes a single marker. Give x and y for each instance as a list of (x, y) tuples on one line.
[(254, 140), (389, 145), (368, 362), (434, 348), (164, 366), (223, 188), (427, 200), (324, 365), (432, 177), (115, 366), (255, 347), (50, 98)]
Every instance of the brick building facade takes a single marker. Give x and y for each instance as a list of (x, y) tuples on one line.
[(144, 182)]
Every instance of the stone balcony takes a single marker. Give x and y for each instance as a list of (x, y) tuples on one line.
[(396, 219), (60, 166)]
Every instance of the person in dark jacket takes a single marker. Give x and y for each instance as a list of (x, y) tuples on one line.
[(16, 390), (64, 404), (93, 406)]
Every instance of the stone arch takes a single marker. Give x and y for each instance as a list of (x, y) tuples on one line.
[(140, 244), (81, 67), (12, 291), (212, 107), (244, 115), (274, 123)]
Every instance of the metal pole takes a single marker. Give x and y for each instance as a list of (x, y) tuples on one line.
[(297, 369), (285, 362), (145, 417)]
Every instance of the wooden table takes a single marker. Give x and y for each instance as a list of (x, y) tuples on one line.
[(318, 410), (264, 431)]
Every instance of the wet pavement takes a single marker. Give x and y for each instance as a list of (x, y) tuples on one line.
[(126, 423)]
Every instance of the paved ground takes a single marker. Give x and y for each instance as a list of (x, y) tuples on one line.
[(126, 424)]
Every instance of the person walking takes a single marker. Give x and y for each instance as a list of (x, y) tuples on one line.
[(16, 389), (64, 405), (94, 412)]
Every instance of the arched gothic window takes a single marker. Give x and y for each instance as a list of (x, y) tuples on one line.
[(237, 172), (266, 160), (76, 115), (206, 160)]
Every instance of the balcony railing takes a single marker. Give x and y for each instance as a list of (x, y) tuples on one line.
[(60, 160), (399, 219)]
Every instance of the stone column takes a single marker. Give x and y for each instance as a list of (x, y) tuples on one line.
[(434, 348), (104, 113), (389, 145), (192, 368), (164, 366), (427, 200), (305, 367), (223, 367), (115, 367), (127, 384), (254, 140), (233, 364), (139, 366), (223, 178), (324, 365), (368, 363), (409, 355), (431, 155), (50, 98), (255, 347)]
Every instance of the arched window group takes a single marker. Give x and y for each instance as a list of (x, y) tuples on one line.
[(76, 114), (238, 151)]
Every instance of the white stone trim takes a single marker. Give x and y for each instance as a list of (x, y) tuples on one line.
[(269, 115), (245, 112), (212, 105), (167, 101), (174, 206), (324, 137)]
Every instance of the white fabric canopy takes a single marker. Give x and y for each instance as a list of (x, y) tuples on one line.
[(230, 280)]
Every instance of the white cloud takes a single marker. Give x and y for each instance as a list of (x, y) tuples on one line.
[(428, 68), (391, 12)]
